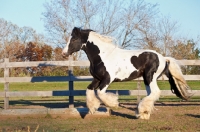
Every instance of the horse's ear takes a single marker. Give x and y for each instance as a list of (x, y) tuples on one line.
[(76, 31)]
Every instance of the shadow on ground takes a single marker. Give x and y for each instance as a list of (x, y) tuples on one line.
[(41, 103), (115, 113), (193, 115)]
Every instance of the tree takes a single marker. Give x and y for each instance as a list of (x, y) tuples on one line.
[(167, 30), (34, 52), (138, 18), (57, 54), (120, 19), (186, 50), (13, 37), (8, 35)]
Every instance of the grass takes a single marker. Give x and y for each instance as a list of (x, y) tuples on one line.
[(46, 86), (168, 118)]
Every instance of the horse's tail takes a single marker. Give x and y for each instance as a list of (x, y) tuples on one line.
[(178, 84)]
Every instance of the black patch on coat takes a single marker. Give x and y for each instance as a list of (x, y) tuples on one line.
[(147, 64), (97, 68), (94, 84)]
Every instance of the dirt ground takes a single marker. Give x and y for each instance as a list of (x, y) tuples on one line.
[(168, 116)]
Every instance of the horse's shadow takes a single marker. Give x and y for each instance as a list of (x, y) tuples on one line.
[(124, 115), (192, 115)]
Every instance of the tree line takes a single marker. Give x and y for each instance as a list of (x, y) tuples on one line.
[(24, 45), (136, 25)]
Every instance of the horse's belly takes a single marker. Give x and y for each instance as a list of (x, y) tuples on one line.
[(126, 75)]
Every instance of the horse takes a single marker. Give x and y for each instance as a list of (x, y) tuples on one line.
[(109, 63)]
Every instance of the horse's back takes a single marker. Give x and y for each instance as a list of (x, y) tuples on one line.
[(126, 64)]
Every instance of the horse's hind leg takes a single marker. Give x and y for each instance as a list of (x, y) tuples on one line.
[(146, 105), (92, 101)]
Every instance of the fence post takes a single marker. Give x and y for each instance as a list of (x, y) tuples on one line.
[(71, 83), (6, 84), (139, 88)]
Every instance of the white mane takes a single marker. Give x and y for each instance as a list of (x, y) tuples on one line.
[(104, 38)]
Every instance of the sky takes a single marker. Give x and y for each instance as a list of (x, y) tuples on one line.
[(185, 12), (29, 13)]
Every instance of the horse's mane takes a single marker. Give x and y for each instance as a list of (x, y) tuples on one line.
[(104, 38)]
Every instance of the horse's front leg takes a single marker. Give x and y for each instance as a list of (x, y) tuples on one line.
[(92, 101), (109, 99)]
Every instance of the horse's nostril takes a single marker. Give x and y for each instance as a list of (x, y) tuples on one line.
[(63, 54)]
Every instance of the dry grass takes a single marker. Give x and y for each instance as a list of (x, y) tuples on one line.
[(173, 116)]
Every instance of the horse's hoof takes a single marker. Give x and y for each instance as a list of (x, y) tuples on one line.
[(92, 110), (145, 115), (137, 116)]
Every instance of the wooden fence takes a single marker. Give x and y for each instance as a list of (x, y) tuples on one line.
[(5, 64)]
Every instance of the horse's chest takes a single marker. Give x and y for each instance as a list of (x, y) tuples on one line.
[(98, 70)]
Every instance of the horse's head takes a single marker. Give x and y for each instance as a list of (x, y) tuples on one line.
[(77, 38), (74, 43)]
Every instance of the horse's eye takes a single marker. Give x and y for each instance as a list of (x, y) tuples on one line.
[(73, 40)]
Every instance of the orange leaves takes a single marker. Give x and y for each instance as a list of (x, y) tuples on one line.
[(35, 52)]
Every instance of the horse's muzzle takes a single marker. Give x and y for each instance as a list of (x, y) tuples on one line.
[(64, 54)]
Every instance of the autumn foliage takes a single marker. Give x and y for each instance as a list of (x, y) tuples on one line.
[(23, 44)]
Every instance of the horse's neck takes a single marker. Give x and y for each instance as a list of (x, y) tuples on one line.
[(102, 42), (98, 47), (106, 48), (95, 51)]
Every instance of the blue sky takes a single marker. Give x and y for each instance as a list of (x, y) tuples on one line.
[(185, 12), (29, 13), (23, 13)]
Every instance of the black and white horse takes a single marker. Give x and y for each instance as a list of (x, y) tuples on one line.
[(108, 64)]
